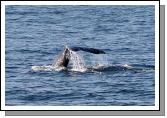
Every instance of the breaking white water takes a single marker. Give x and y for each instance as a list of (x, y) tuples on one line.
[(77, 63)]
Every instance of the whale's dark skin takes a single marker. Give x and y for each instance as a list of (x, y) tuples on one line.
[(64, 58), (91, 50)]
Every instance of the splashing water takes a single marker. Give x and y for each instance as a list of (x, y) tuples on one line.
[(99, 60), (78, 63), (47, 68)]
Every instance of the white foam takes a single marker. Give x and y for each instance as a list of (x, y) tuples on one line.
[(127, 66), (47, 68)]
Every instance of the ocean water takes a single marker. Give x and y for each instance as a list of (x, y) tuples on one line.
[(36, 35)]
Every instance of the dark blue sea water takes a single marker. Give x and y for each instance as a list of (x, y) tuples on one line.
[(35, 35)]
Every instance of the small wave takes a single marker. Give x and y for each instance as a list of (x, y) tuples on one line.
[(125, 67), (143, 66), (79, 70), (101, 67)]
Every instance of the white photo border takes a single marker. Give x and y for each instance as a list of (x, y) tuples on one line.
[(5, 3)]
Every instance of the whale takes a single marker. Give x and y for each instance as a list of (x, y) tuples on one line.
[(90, 50), (64, 58)]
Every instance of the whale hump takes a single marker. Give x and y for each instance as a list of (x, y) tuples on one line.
[(90, 50)]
